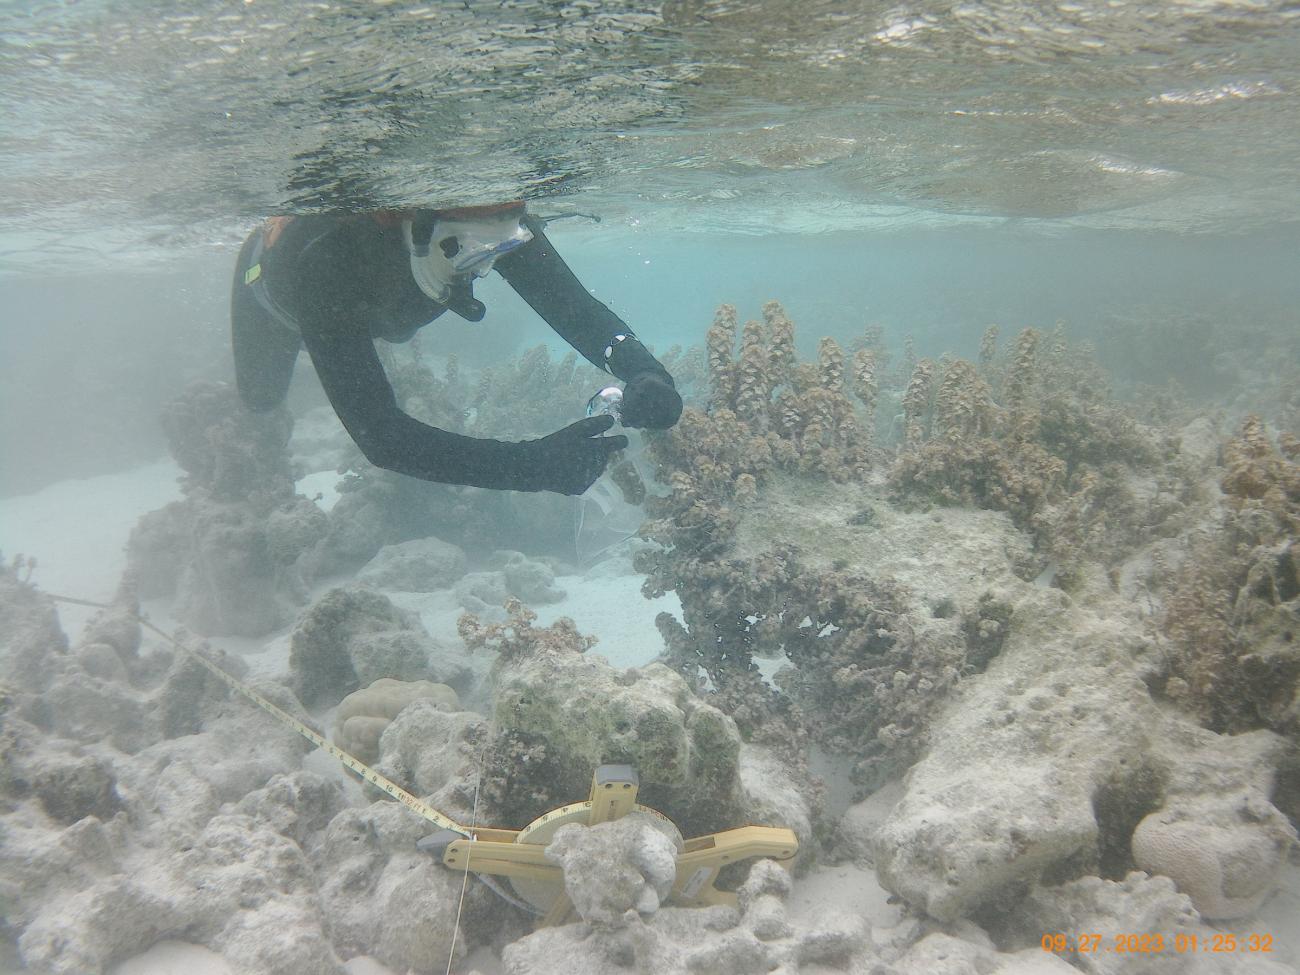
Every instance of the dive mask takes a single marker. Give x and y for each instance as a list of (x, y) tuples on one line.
[(458, 245)]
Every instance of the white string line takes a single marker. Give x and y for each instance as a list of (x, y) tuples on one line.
[(469, 853)]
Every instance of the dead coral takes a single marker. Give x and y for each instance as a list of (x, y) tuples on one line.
[(559, 713)]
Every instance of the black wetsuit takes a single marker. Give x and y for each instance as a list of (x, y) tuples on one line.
[(336, 283)]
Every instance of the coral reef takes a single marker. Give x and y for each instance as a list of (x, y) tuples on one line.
[(858, 546), (799, 413), (232, 551), (420, 565), (898, 647), (559, 713), (1232, 612), (1083, 758), (861, 680), (755, 937), (864, 676), (1040, 437), (132, 810), (352, 636), (363, 716)]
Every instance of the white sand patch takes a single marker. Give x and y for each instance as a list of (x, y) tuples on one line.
[(613, 610), (175, 958), (321, 487), (77, 531), (844, 889)]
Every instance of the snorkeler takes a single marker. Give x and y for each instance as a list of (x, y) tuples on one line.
[(335, 283)]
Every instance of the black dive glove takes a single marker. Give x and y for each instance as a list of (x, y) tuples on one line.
[(569, 460), (651, 401)]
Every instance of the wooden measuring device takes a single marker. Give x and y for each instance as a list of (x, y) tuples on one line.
[(519, 855)]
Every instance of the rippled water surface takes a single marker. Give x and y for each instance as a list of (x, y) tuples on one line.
[(130, 128)]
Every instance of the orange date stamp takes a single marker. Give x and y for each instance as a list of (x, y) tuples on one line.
[(1181, 943)]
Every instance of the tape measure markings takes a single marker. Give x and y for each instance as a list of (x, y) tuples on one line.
[(411, 802)]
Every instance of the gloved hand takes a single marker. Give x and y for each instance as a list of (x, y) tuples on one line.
[(569, 460), (651, 401)]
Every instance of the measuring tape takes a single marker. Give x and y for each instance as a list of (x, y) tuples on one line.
[(519, 855), (381, 782)]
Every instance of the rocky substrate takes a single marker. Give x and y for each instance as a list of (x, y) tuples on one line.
[(140, 801)]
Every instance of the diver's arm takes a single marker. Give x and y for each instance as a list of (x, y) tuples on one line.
[(327, 285), (540, 276), (359, 391), (566, 462)]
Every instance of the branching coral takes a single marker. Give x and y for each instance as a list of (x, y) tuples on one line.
[(805, 407), (517, 637), (753, 379), (1039, 437), (988, 347), (719, 343), (861, 683), (781, 354), (866, 387), (916, 402)]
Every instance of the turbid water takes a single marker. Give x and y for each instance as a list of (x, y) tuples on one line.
[(1052, 569)]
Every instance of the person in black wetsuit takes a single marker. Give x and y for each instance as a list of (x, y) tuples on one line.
[(335, 283)]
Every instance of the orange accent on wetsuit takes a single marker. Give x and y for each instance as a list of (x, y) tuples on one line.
[(272, 229)]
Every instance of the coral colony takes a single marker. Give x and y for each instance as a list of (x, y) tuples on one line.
[(1019, 652)]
